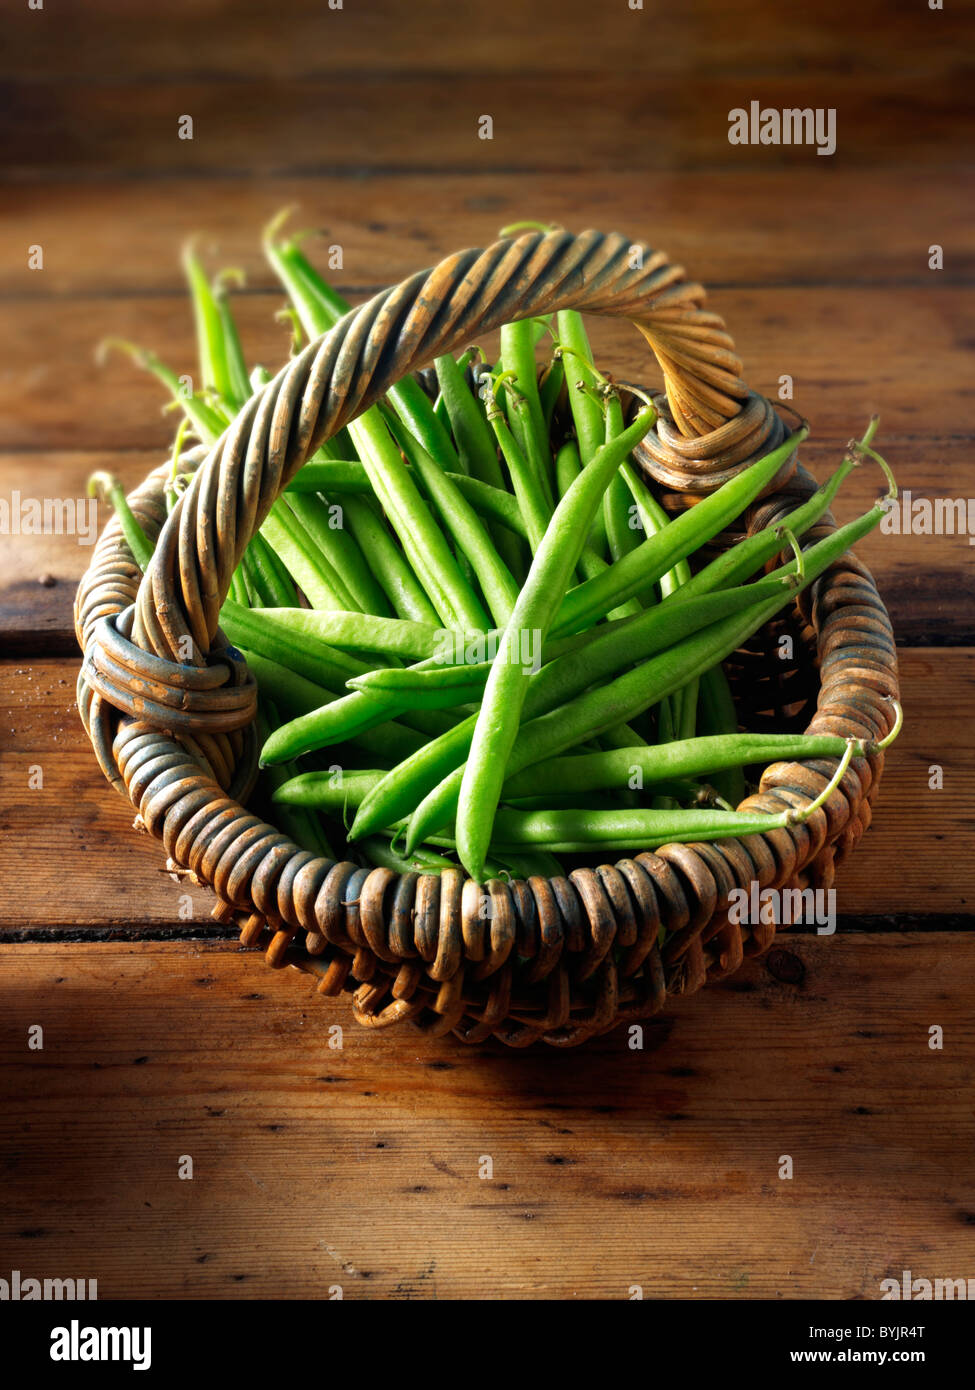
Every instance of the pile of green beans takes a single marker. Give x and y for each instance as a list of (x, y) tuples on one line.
[(478, 637)]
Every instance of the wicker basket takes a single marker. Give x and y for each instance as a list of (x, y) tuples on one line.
[(170, 707)]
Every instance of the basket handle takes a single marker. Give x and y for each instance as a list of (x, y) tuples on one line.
[(400, 329)]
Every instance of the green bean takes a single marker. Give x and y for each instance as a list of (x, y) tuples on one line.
[(616, 511), (236, 365), (666, 732), (657, 554), (330, 303), (135, 538), (332, 475), (620, 535), (478, 456), (440, 405), (339, 631), (258, 595), (340, 550), (591, 563), (346, 477), (284, 586), (466, 528), (475, 445), (567, 665), (298, 696), (295, 644), (530, 497), (343, 718), (550, 389), (288, 690), (504, 694), (586, 413), (717, 715), (557, 801), (741, 561), (704, 756), (563, 680), (238, 590), (623, 736), (469, 673), (401, 586), (274, 578), (421, 539), (319, 581), (381, 853), (251, 598), (327, 791), (525, 414), (687, 718), (653, 518), (568, 466), (211, 348), (595, 710), (415, 410), (615, 647), (493, 504), (303, 827), (418, 774), (450, 688), (571, 832)]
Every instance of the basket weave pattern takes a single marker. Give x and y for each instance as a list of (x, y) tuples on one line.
[(170, 708)]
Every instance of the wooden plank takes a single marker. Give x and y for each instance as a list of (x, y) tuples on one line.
[(739, 226), (540, 122), (315, 1167), (925, 580), (73, 818), (233, 39), (92, 870), (850, 352), (40, 573)]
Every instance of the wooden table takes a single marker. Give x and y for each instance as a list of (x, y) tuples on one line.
[(365, 1168)]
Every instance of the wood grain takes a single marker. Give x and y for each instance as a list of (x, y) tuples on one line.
[(738, 226), (359, 1167), (240, 39), (849, 351), (315, 1167), (93, 871), (380, 121)]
